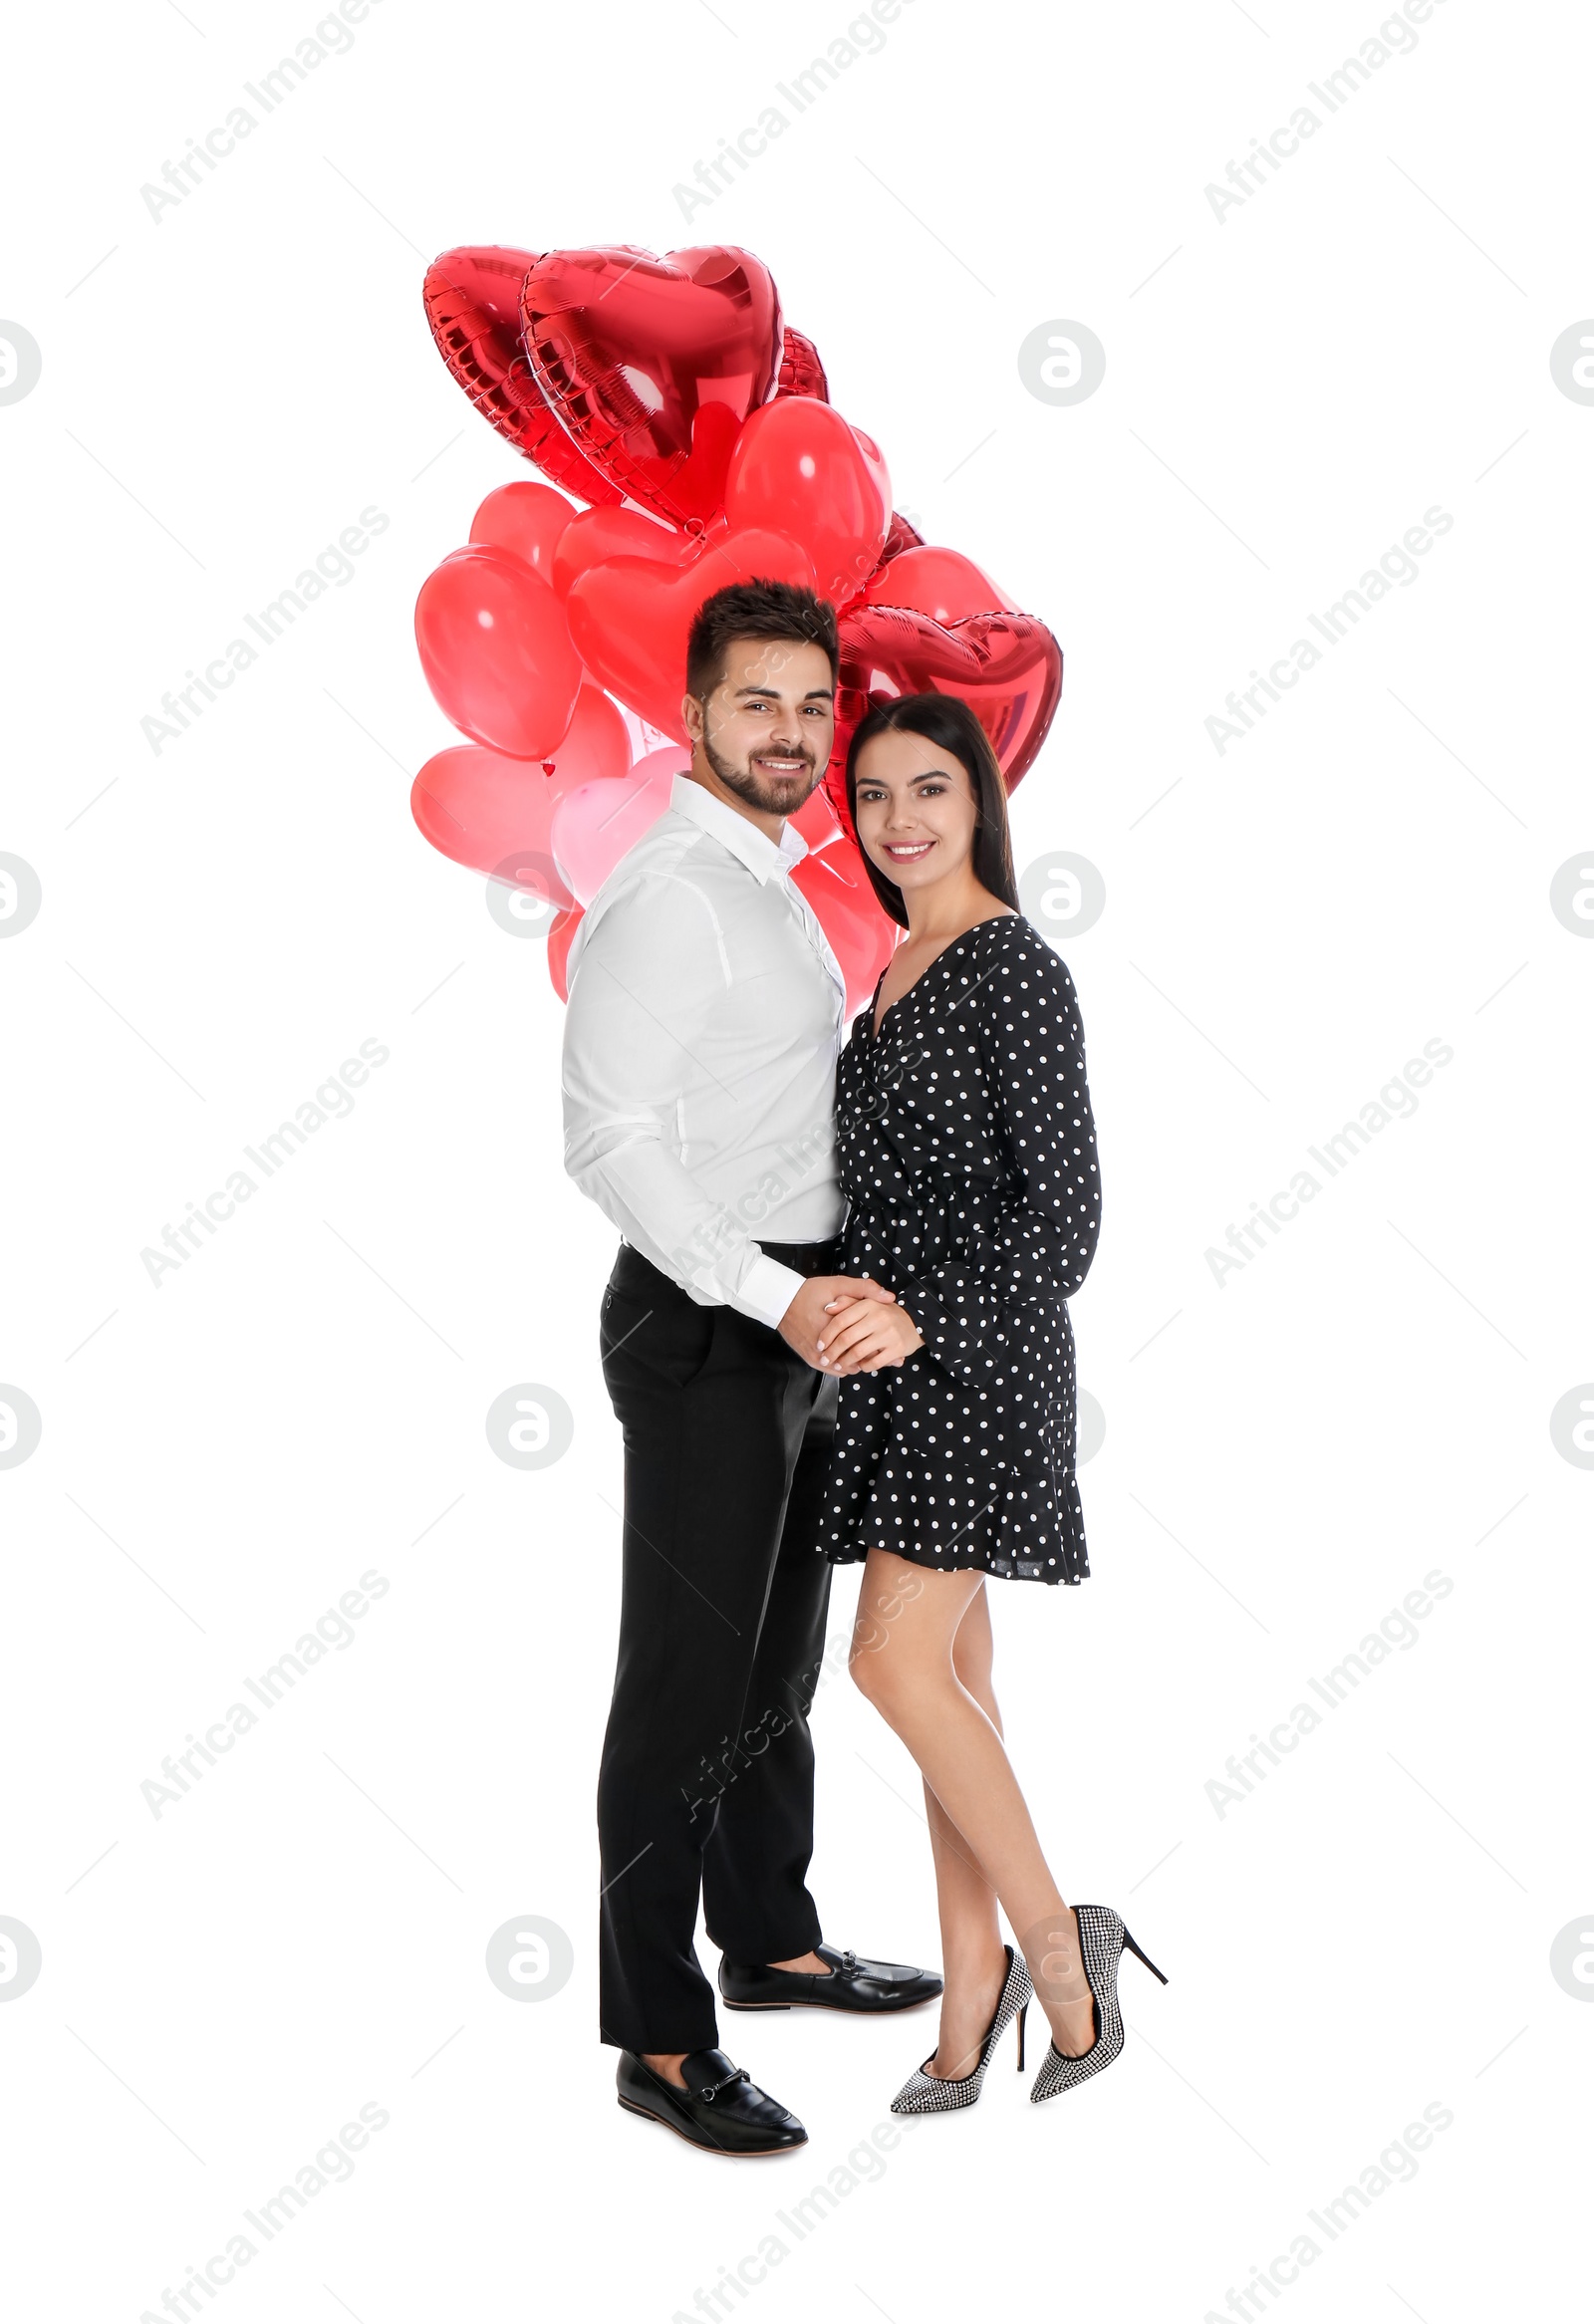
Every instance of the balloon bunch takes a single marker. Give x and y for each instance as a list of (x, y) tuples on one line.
[(693, 442)]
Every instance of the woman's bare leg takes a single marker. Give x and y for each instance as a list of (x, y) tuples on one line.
[(973, 1956), (971, 1950), (906, 1659)]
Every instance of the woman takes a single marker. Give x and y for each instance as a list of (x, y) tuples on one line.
[(968, 1152)]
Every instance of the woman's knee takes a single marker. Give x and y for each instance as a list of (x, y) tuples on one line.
[(868, 1664), (903, 1639), (972, 1655), (886, 1671)]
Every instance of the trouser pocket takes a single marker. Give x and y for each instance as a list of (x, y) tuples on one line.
[(653, 1324)]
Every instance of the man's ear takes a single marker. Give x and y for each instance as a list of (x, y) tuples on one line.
[(691, 717)]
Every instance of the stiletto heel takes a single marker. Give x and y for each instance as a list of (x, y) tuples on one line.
[(1102, 1939), (923, 2093), (1145, 1957)]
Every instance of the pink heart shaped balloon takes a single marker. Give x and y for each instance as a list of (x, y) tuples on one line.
[(597, 823), (485, 811)]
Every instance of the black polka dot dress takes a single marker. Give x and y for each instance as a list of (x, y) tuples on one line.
[(968, 1152)]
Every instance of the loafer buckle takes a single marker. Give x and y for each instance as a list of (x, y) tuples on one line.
[(714, 2088)]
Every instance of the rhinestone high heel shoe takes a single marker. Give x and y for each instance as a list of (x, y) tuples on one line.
[(923, 2093), (1102, 1939)]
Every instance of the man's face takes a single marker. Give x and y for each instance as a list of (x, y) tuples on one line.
[(766, 729)]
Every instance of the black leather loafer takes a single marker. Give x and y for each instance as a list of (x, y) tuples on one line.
[(720, 2109), (853, 1983)]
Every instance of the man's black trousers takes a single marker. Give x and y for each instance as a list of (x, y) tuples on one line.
[(706, 1783)]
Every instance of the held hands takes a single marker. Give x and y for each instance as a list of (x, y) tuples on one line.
[(860, 1335), (809, 1317)]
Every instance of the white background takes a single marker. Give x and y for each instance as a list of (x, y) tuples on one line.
[(1287, 391)]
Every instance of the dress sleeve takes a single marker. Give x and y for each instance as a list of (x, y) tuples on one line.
[(1032, 1047)]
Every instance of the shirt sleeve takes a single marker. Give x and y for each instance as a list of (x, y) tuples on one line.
[(1034, 1052), (635, 1027)]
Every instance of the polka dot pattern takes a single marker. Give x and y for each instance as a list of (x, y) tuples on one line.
[(967, 1150)]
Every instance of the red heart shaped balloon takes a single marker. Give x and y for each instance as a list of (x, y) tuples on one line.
[(937, 581), (599, 533), (801, 371), (472, 298), (496, 652), (653, 364), (630, 617), (528, 520), (901, 537), (836, 883), (799, 468), (1006, 666)]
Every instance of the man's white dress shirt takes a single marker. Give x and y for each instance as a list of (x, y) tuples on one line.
[(699, 1061)]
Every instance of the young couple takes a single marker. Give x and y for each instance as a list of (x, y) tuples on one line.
[(882, 1374)]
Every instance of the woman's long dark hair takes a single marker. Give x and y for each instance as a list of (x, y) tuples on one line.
[(949, 723)]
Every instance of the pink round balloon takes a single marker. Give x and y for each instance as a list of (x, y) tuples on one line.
[(527, 520), (496, 650), (597, 823)]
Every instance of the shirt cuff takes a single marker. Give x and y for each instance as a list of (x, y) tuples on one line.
[(767, 1290)]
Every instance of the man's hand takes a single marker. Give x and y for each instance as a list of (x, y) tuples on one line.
[(861, 1335), (806, 1319)]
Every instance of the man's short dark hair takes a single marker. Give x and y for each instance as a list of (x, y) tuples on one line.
[(756, 609)]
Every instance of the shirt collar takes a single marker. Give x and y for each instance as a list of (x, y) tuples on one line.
[(765, 857)]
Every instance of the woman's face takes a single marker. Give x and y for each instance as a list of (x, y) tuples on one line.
[(916, 810)]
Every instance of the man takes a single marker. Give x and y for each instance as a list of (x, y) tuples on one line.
[(705, 1013)]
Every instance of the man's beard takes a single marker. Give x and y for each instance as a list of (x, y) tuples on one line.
[(770, 794)]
